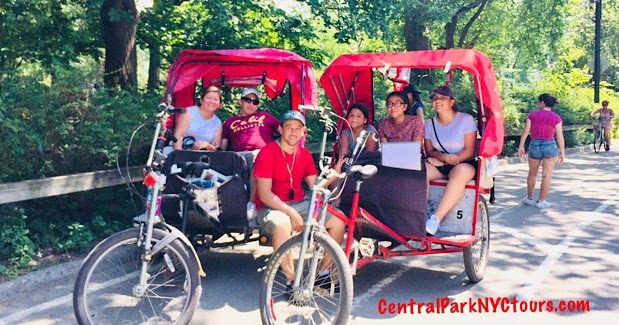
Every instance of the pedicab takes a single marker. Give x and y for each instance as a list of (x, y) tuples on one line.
[(383, 204), (151, 273), (222, 211)]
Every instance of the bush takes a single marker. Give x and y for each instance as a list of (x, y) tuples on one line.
[(16, 247)]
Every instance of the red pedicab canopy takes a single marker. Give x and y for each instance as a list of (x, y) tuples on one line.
[(348, 80), (270, 67)]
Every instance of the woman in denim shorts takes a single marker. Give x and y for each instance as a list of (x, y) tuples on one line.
[(543, 124)]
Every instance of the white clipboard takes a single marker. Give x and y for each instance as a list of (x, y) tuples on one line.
[(404, 155)]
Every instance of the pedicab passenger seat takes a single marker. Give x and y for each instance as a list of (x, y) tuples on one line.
[(232, 194), (394, 196)]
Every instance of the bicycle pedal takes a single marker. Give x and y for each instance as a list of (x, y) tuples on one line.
[(367, 246)]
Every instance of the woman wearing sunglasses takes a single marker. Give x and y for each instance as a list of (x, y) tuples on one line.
[(201, 123)]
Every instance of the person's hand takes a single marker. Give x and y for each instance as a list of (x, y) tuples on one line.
[(452, 159), (338, 166), (434, 162), (521, 151), (561, 158), (296, 220), (199, 145)]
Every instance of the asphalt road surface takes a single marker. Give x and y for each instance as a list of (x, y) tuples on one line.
[(564, 257)]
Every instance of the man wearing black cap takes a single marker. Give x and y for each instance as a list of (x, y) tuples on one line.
[(280, 168)]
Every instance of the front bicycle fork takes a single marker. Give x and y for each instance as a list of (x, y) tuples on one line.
[(310, 227)]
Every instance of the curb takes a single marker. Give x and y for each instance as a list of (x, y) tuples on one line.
[(41, 278)]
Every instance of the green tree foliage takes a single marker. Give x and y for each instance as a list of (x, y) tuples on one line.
[(207, 24), (48, 32)]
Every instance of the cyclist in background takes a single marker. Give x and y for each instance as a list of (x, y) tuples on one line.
[(606, 116)]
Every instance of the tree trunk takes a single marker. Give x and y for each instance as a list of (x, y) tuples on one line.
[(119, 19), (450, 31), (416, 39), (154, 69), (414, 33)]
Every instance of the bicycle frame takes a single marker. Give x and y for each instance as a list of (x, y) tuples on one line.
[(155, 180)]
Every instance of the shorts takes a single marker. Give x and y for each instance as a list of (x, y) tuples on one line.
[(268, 218), (541, 149), (445, 169)]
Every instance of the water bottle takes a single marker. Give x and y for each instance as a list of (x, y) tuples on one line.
[(251, 211)]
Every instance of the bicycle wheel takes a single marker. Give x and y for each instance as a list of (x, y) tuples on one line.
[(329, 302), (597, 140), (476, 255), (106, 290)]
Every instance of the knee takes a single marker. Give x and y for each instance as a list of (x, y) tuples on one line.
[(462, 173)]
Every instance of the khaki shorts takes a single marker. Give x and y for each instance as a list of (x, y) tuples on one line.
[(268, 218)]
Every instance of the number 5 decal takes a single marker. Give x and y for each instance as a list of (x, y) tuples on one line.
[(459, 214)]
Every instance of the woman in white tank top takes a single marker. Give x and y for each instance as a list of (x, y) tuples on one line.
[(201, 123)]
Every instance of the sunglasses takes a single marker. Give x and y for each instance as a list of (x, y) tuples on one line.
[(249, 100)]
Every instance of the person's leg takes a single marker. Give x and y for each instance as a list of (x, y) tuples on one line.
[(548, 165), (458, 177), (277, 225), (432, 173), (607, 135), (336, 229), (532, 176)]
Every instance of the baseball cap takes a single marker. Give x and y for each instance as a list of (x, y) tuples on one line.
[(250, 91), (443, 91), (292, 115)]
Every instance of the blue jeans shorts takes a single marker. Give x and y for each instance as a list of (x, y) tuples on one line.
[(540, 149)]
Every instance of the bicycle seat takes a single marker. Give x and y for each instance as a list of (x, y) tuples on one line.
[(365, 171)]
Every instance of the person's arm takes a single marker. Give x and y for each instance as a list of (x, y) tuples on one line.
[(523, 137), (597, 111), (561, 142), (274, 202), (180, 130), (420, 114), (434, 156), (224, 144), (218, 139), (466, 153), (343, 150), (371, 144)]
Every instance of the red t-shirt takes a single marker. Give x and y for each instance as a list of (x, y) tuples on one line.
[(270, 163), (247, 133)]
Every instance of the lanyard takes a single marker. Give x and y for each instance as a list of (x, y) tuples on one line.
[(289, 168)]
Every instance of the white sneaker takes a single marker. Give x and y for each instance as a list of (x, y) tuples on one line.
[(528, 201), (432, 225), (543, 204)]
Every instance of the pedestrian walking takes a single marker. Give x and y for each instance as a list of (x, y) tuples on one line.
[(544, 125)]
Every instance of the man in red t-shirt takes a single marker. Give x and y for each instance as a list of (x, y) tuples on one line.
[(280, 168)]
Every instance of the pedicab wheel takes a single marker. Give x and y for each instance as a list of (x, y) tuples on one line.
[(329, 302), (597, 140), (106, 290), (476, 255)]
